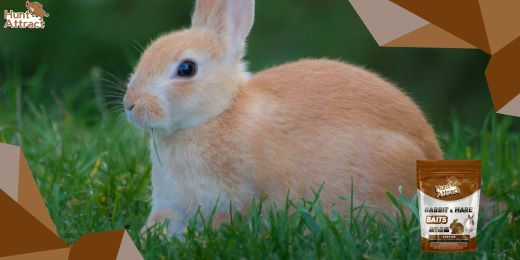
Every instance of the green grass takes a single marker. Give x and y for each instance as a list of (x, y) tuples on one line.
[(95, 176)]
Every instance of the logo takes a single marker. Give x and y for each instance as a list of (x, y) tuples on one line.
[(30, 19), (451, 188)]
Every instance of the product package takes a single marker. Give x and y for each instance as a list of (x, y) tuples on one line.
[(449, 195)]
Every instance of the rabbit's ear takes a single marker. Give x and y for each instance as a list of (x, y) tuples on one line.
[(204, 14), (232, 19), (241, 17)]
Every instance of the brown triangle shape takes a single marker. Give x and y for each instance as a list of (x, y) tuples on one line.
[(104, 245), (54, 254), (502, 75), (21, 232), (461, 18), (30, 198), (502, 21), (429, 36)]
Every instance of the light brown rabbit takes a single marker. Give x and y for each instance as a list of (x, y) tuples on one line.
[(456, 227), (224, 134)]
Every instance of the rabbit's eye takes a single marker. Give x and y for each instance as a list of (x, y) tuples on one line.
[(187, 69)]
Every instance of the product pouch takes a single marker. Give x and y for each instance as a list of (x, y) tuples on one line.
[(449, 195)]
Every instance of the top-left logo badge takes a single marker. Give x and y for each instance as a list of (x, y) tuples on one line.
[(32, 18)]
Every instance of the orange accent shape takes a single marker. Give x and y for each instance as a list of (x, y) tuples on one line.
[(17, 181), (393, 26), (502, 22), (504, 79), (26, 229), (429, 36), (22, 233), (55, 254), (105, 245), (30, 198), (461, 18)]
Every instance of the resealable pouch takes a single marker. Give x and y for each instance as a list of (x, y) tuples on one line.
[(449, 195)]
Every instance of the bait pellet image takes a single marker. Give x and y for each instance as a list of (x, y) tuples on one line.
[(449, 195)]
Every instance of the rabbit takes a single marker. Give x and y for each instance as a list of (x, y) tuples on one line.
[(456, 227), (470, 224), (223, 136)]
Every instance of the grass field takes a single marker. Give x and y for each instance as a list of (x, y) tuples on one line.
[(95, 176)]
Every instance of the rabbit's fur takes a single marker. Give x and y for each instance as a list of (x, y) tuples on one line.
[(228, 136)]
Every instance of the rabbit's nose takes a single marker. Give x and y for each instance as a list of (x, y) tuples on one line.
[(129, 104)]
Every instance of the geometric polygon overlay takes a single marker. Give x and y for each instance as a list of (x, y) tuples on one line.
[(105, 245), (27, 230), (490, 25)]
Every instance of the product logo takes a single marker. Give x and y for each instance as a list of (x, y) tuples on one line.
[(30, 19), (451, 188)]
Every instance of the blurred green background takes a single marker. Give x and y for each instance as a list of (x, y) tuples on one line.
[(60, 86), (85, 41)]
